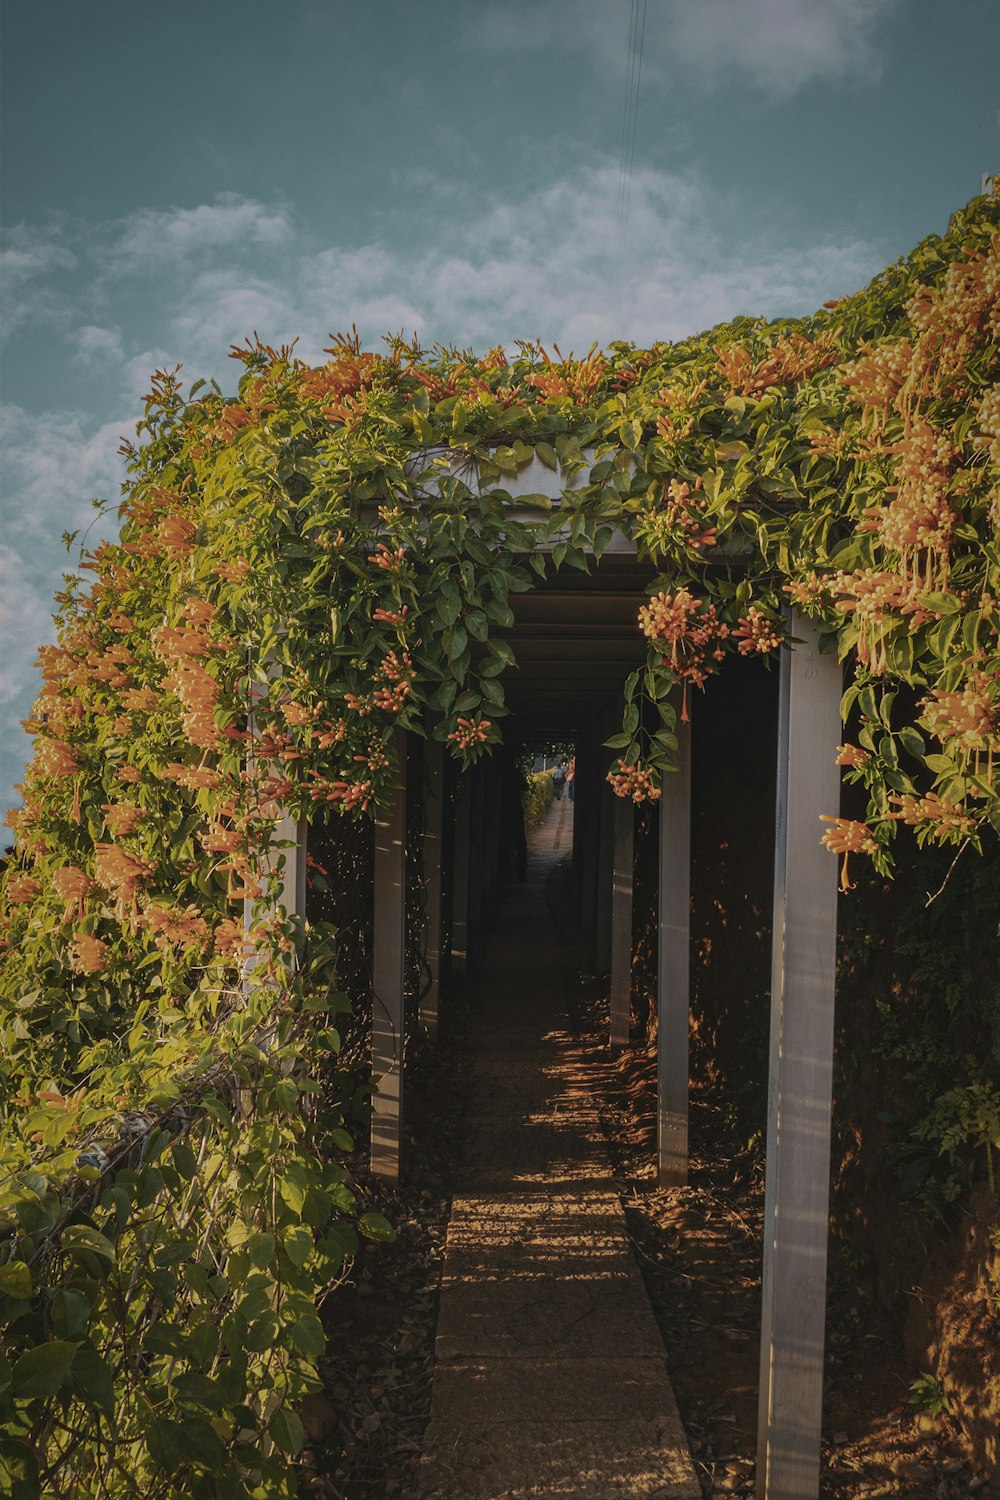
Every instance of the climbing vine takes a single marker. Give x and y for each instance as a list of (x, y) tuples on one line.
[(302, 569)]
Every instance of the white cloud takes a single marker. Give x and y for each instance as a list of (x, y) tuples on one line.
[(540, 266), (774, 45), (544, 265), (30, 257), (97, 346), (54, 465), (780, 45), (27, 252), (152, 237)]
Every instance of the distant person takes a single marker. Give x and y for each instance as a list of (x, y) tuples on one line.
[(571, 779), (559, 779)]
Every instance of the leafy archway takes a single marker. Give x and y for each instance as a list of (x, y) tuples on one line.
[(301, 571)]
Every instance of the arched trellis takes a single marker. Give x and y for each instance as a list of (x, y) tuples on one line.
[(860, 482), (802, 1006)]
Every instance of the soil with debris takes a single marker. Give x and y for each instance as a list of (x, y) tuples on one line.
[(700, 1252), (364, 1432)]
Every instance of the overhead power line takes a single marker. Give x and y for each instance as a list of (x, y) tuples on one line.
[(630, 118)]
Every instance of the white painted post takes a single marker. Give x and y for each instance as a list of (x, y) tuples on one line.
[(674, 968), (460, 877), (801, 1075), (433, 822), (621, 922), (388, 965)]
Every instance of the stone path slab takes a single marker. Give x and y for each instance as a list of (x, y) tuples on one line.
[(550, 1375)]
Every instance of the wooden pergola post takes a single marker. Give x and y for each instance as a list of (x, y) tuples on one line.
[(797, 1186), (388, 965), (674, 968), (621, 921), (605, 865), (431, 863), (462, 833)]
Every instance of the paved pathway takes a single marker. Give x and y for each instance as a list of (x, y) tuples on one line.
[(550, 1375)]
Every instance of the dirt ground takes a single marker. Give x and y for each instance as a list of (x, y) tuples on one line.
[(699, 1249)]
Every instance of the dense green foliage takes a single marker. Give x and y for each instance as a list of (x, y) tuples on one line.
[(537, 797), (301, 570)]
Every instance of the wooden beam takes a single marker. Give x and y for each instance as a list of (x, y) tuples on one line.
[(431, 864), (801, 1076), (674, 968), (621, 922), (388, 967)]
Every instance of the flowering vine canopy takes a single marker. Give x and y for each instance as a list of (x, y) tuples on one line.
[(330, 555)]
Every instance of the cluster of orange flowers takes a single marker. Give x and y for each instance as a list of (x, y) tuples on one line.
[(871, 597), (192, 777), (395, 674), (181, 649), (681, 521), (88, 954), (967, 720), (809, 592), (387, 558), (470, 732), (876, 378), (122, 874), (122, 818), (637, 782), (56, 758), (692, 630), (22, 888), (790, 360), (671, 424), (173, 928), (576, 378), (847, 836), (758, 633), (943, 816), (72, 885)]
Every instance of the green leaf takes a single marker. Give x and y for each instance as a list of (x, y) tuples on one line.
[(19, 1478), (260, 1248), (376, 1227), (70, 1313), (285, 1428), (15, 1280), (307, 1337), (41, 1371), (93, 1380), (84, 1240)]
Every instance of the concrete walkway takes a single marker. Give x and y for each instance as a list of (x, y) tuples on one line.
[(550, 1375)]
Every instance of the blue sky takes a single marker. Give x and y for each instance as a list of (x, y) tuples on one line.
[(176, 176)]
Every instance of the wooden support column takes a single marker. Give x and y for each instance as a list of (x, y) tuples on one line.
[(605, 861), (674, 968), (621, 921), (431, 862), (388, 964), (796, 1208), (588, 794), (477, 824), (460, 878)]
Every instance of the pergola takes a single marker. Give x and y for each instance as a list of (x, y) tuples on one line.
[(575, 640)]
